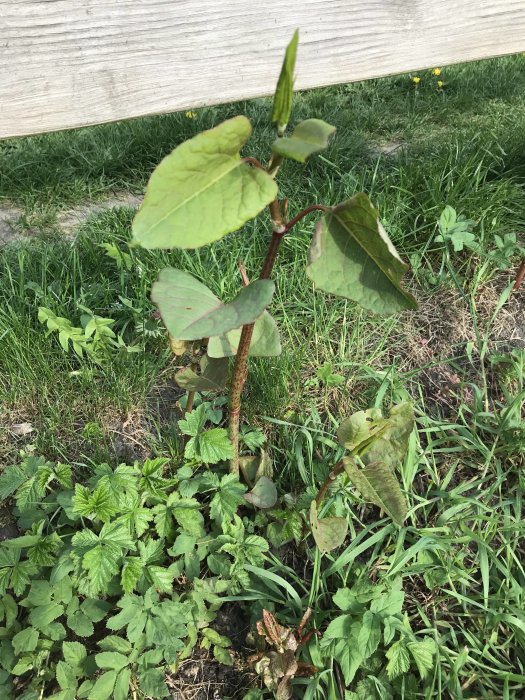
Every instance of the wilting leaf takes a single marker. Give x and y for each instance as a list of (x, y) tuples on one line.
[(213, 376), (282, 101), (351, 256), (203, 190), (255, 466), (191, 311), (391, 442), (263, 494), (361, 427), (265, 340), (328, 533), (309, 137), (378, 484), (179, 347)]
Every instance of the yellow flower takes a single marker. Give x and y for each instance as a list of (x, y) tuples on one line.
[(416, 80), (436, 71), (191, 115), (440, 84)]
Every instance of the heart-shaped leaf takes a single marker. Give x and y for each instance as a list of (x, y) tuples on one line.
[(263, 494), (377, 484), (265, 340), (203, 190), (309, 137), (282, 101), (351, 256), (191, 311), (213, 376), (328, 533)]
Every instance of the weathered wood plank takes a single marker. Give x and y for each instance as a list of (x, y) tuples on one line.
[(68, 63)]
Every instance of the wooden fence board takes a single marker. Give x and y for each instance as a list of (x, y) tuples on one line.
[(69, 63)]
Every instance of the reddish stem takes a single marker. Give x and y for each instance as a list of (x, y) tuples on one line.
[(244, 275), (302, 214), (255, 162), (519, 277), (240, 369)]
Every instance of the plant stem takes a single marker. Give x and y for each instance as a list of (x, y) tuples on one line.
[(303, 213), (189, 401), (240, 369), (334, 473)]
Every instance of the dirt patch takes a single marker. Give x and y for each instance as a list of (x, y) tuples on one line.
[(9, 217), (203, 678), (67, 221), (70, 220)]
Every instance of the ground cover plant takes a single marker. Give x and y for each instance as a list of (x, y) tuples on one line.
[(433, 608)]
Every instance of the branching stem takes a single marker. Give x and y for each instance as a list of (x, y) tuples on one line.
[(303, 213), (240, 369)]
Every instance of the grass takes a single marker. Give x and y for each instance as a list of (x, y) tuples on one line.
[(460, 358)]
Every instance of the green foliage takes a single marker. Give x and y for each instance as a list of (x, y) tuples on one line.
[(94, 339), (208, 446), (282, 101), (456, 230), (351, 256), (101, 562), (361, 637), (202, 191), (377, 445), (191, 312), (265, 340), (309, 137)]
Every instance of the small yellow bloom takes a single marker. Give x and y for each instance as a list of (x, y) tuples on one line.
[(440, 84), (436, 71), (416, 80), (191, 115)]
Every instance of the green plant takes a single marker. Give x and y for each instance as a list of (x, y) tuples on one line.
[(204, 190), (372, 618), (95, 338), (101, 561)]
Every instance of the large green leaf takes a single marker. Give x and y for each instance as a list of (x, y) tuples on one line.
[(309, 137), (377, 484), (351, 256), (203, 190), (282, 101), (265, 340), (213, 376), (328, 533), (191, 311)]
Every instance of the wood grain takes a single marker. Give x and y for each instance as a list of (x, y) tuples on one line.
[(69, 63)]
